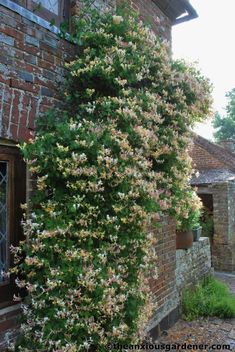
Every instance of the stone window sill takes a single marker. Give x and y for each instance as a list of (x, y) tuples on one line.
[(29, 15)]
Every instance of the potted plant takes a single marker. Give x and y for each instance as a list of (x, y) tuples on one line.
[(188, 221), (196, 226)]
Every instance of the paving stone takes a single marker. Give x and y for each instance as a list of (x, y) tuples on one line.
[(205, 331), (229, 342), (226, 327), (232, 335), (232, 321), (216, 321)]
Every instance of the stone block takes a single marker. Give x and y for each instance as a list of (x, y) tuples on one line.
[(31, 41), (26, 76), (6, 39), (49, 40), (232, 334)]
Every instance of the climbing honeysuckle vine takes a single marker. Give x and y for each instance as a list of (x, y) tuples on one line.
[(107, 164)]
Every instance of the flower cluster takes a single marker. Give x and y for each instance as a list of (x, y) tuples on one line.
[(111, 161), (189, 216)]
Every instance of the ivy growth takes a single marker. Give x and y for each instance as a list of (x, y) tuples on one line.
[(114, 160)]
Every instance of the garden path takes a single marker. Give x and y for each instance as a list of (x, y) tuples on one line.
[(211, 331)]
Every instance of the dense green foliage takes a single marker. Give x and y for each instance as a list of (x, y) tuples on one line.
[(192, 207), (207, 225), (112, 161), (225, 125), (210, 298)]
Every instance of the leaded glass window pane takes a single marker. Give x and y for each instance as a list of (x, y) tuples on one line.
[(3, 219), (50, 5)]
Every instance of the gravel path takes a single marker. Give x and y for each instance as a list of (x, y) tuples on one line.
[(211, 331)]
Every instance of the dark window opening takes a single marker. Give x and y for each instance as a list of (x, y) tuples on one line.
[(207, 216), (4, 173), (12, 195)]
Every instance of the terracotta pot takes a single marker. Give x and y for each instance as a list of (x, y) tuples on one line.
[(184, 239)]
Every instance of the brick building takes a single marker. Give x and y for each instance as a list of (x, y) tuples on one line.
[(216, 187), (32, 59)]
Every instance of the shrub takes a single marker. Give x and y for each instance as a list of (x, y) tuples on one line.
[(113, 158), (209, 298), (207, 225), (189, 217)]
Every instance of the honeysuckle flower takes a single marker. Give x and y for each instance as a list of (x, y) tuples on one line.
[(117, 19), (108, 166)]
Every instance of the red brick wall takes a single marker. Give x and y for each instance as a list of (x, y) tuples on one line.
[(9, 325), (151, 14), (164, 287), (31, 60), (204, 160), (166, 263)]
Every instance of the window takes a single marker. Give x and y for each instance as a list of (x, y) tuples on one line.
[(4, 184), (55, 11), (50, 5), (12, 194)]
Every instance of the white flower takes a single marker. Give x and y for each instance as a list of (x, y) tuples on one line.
[(117, 19)]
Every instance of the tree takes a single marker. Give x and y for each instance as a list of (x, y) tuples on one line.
[(226, 124)]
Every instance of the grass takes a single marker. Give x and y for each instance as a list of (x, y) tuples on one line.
[(210, 298)]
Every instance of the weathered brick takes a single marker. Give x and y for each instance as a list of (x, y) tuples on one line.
[(28, 49), (48, 57), (24, 134), (49, 75), (24, 66), (6, 39), (5, 59), (5, 19), (32, 59), (35, 60), (23, 117), (49, 40), (47, 92), (4, 79), (47, 65), (14, 131), (7, 96), (12, 32), (26, 76), (31, 41), (15, 107), (19, 84)]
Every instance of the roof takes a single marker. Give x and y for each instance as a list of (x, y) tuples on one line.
[(224, 155), (212, 176), (177, 10)]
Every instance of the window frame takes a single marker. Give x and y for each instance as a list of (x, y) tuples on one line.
[(44, 13), (63, 11), (16, 196)]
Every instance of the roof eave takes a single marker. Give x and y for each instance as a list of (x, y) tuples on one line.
[(177, 11), (191, 13), (184, 19)]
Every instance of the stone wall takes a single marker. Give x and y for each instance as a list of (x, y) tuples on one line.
[(177, 269), (192, 264), (223, 248)]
